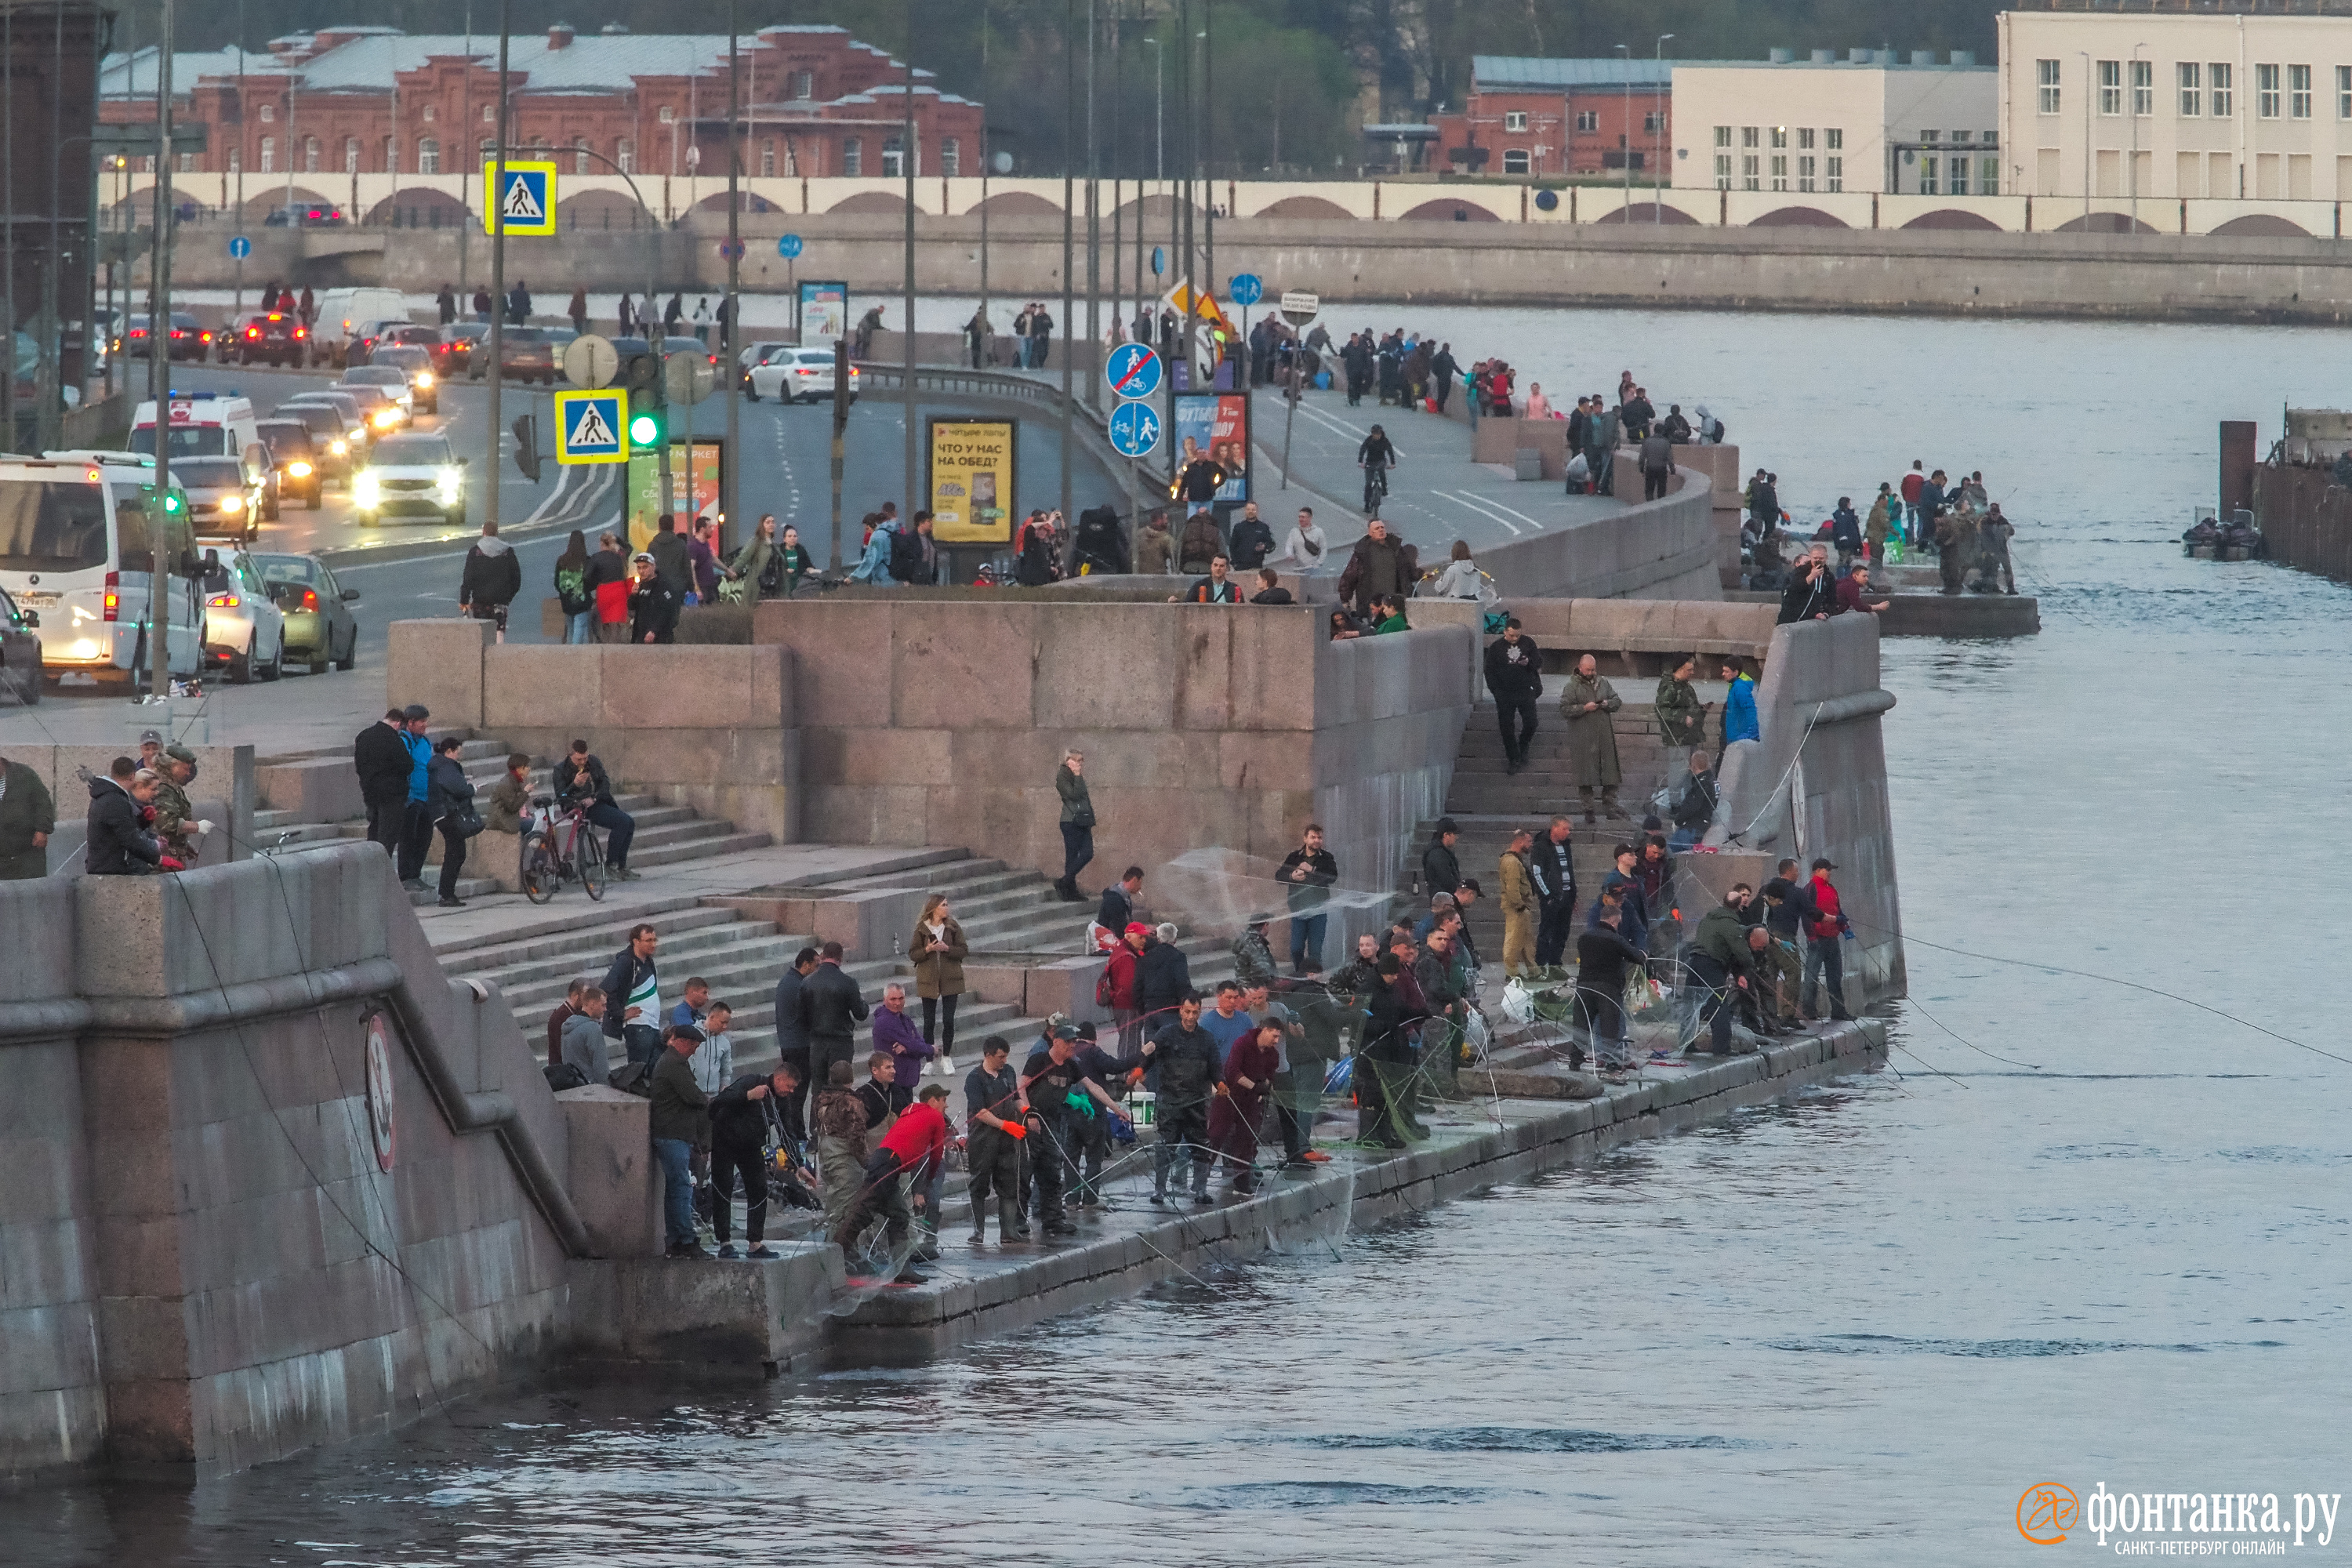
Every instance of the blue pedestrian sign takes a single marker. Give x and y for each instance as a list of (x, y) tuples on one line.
[(1158, 260), (589, 425), (518, 199), (1246, 288), (1134, 429), (240, 247), (788, 246), (1133, 370)]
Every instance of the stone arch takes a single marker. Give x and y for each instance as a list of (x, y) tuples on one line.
[(601, 210), (419, 206), (871, 201), (259, 207), (1951, 217), (752, 203), (1020, 204), (1303, 206), (1646, 212), (1451, 209), (1798, 218), (1155, 211), (2105, 223), (2262, 225)]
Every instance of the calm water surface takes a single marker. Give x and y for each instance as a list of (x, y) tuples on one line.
[(2081, 1232)]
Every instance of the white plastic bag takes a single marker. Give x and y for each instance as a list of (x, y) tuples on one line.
[(1518, 1007)]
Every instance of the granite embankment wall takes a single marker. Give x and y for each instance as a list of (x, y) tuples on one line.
[(1347, 261)]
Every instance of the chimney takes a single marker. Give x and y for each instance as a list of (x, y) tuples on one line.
[(1861, 57), (1824, 57), (1783, 57), (614, 29), (1964, 57), (1922, 57), (559, 36)]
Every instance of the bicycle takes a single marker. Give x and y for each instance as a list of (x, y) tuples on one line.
[(1376, 485), (557, 846)]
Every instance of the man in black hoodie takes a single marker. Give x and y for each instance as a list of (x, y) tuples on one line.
[(1514, 677), (832, 1007), (492, 579), (117, 842), (383, 761), (1184, 1064), (1163, 977), (740, 1117)]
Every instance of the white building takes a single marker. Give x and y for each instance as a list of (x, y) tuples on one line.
[(2174, 105), (1863, 123)]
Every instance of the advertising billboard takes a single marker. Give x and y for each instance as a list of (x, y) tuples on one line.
[(824, 311), (970, 463), (1215, 425)]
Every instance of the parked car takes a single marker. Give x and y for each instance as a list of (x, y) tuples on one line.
[(335, 449), (306, 215), (798, 375), (389, 380), (318, 624), (411, 474), (244, 632), (228, 497), (415, 362), (20, 650), (302, 468)]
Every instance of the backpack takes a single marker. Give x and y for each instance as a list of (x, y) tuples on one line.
[(572, 587), (633, 1077), (907, 556), (561, 1076)]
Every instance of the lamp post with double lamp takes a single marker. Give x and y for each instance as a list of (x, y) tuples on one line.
[(1658, 144)]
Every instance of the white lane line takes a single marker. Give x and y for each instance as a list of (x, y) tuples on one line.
[(1476, 510), (1537, 523), (1331, 423)]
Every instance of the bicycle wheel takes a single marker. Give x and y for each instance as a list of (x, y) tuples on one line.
[(591, 862), (537, 872)]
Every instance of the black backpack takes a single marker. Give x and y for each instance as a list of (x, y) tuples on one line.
[(907, 557), (633, 1077), (561, 1076)]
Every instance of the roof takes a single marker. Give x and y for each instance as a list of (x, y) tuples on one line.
[(1521, 70), (134, 75)]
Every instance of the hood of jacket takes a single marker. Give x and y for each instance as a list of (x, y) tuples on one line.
[(491, 545)]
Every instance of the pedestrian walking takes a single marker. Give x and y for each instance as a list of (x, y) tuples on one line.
[(27, 816), (1514, 670), (491, 579), (1380, 565), (573, 596), (1589, 704), (607, 581), (1656, 458), (1077, 823), (445, 304), (578, 311), (938, 949)]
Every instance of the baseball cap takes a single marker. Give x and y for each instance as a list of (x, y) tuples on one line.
[(1825, 864), (1136, 927), (686, 1032), (151, 737), (1065, 1031)]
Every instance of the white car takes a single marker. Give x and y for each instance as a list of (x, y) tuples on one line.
[(411, 473), (797, 375), (390, 380), (243, 629)]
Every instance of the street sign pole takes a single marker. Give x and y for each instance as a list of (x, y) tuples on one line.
[(495, 201), (159, 344), (729, 481)]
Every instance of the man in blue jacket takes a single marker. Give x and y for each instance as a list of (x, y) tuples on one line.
[(1739, 706), (416, 825)]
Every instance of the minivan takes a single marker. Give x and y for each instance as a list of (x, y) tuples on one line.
[(348, 313), (83, 544), (204, 425)]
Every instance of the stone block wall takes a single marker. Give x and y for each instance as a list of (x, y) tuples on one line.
[(222, 793), (1649, 550)]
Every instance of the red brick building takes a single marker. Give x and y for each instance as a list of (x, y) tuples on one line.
[(1539, 119), (375, 101)]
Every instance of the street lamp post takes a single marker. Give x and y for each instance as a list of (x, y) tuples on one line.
[(1625, 141), (1159, 113), (1658, 175)]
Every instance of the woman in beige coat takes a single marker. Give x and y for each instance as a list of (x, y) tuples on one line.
[(937, 951)]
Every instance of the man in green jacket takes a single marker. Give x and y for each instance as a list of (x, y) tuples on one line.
[(1681, 725), (1721, 966), (27, 817)]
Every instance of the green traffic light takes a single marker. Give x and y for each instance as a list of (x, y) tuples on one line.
[(645, 430), (171, 502)]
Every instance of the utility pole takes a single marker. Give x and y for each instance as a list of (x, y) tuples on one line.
[(161, 572), (1069, 141), (8, 200), (907, 174), (731, 478), (1625, 141), (985, 351), (1094, 219), (461, 160), (1208, 112), (493, 203), (1658, 145)]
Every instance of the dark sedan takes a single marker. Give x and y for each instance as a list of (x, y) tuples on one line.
[(20, 651), (319, 629)]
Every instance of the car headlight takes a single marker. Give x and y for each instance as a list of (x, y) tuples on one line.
[(386, 418), (298, 470), (339, 446), (423, 378), (452, 482), (367, 492), (232, 503)]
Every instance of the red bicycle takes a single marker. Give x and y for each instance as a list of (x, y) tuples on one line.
[(560, 845)]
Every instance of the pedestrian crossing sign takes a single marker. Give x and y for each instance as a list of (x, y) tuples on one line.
[(517, 197), (590, 426)]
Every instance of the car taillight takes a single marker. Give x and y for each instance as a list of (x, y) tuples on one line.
[(309, 598), (253, 331), (302, 332), (113, 594), (223, 601)]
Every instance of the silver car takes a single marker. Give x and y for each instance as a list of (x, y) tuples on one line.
[(225, 500), (389, 380), (244, 630)]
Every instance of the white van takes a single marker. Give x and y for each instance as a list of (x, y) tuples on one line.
[(204, 425), (84, 543), (348, 313)]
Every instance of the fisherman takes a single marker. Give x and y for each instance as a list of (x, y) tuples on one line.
[(1184, 1062)]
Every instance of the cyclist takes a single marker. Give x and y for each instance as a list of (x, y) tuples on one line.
[(1376, 457), (580, 780)]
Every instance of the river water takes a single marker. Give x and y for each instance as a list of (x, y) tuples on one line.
[(2081, 1231)]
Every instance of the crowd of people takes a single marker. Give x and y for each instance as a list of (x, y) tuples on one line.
[(1924, 512)]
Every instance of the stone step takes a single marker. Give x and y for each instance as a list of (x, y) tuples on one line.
[(696, 849), (595, 929), (468, 888)]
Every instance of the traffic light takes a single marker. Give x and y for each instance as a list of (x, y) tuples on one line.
[(526, 435), (646, 428)]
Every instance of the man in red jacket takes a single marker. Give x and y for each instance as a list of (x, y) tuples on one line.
[(916, 1146), (1824, 961), (1118, 982)]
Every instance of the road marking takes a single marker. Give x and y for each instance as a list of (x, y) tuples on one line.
[(1535, 523), (1476, 510)]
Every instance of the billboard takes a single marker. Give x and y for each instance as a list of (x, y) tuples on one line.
[(1215, 425), (696, 480), (970, 464), (824, 311)]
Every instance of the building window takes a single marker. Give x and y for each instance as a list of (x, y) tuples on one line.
[(1514, 120), (1959, 176), (1805, 175), (2266, 92), (1750, 137), (1723, 135), (1833, 171), (668, 115), (432, 113), (269, 155), (853, 156), (1748, 179), (350, 154), (1514, 159), (489, 113), (2219, 96), (269, 113), (1930, 137), (580, 160), (1988, 176), (236, 159), (768, 157), (1779, 170), (392, 154), (2143, 80), (2298, 92), (801, 85), (1779, 136), (1929, 166), (311, 154), (428, 156), (1834, 140), (1723, 171), (1588, 119), (1804, 140), (2046, 73), (2344, 92), (893, 157), (2110, 86), (2192, 95), (950, 156), (624, 153), (1653, 122)]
